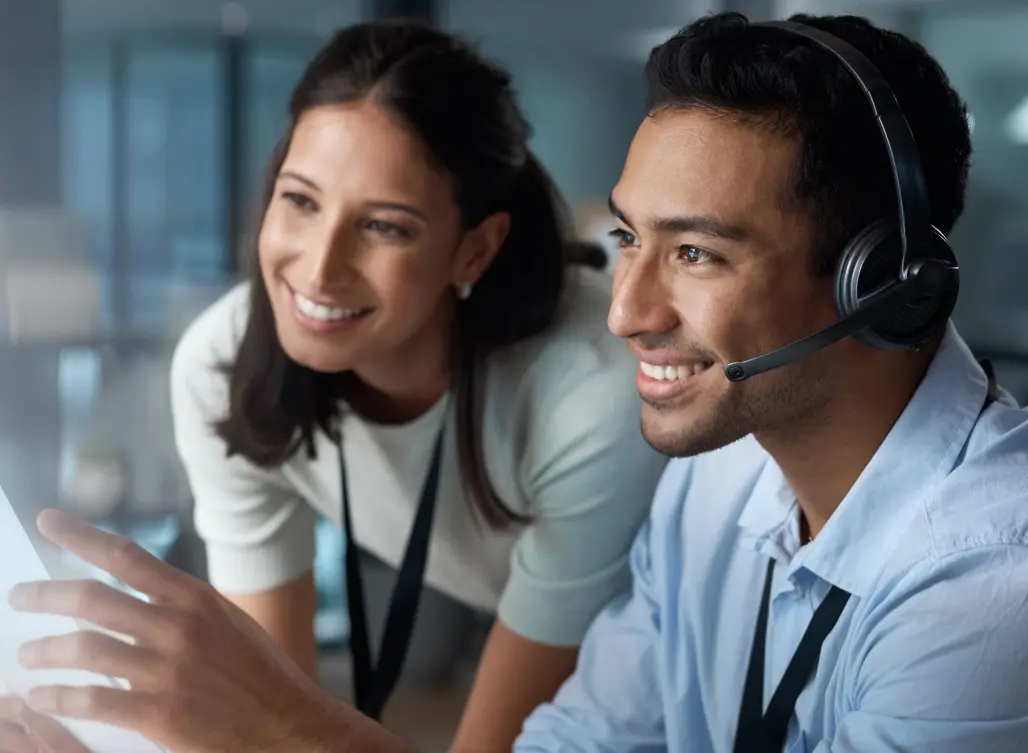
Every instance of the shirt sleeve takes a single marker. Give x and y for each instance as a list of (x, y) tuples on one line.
[(590, 479), (259, 533), (945, 670), (612, 701)]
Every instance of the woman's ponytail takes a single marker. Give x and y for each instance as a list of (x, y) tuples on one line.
[(533, 257), (499, 312)]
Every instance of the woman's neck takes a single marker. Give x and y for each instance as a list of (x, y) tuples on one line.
[(399, 388), (392, 401)]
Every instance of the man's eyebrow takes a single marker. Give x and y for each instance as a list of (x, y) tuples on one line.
[(701, 224), (615, 211)]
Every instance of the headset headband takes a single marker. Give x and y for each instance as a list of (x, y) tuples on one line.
[(915, 218)]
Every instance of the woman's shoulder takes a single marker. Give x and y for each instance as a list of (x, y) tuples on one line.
[(214, 335), (576, 347), (209, 343), (575, 378)]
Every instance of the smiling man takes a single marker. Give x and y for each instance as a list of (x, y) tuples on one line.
[(837, 563)]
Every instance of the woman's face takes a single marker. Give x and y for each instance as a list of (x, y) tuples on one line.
[(361, 248)]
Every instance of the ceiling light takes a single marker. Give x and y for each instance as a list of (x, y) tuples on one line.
[(1016, 123)]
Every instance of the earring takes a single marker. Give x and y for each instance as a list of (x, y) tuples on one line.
[(464, 291)]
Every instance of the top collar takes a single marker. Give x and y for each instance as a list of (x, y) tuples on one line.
[(922, 448)]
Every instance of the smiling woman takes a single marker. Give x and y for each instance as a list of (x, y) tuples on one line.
[(416, 360), (353, 176)]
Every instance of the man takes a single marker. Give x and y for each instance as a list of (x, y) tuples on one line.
[(879, 472), (880, 488)]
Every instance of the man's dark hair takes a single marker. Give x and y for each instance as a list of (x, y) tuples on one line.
[(464, 111), (772, 77)]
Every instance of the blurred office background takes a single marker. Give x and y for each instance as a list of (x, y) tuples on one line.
[(133, 138)]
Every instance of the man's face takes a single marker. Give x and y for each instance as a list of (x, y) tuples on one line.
[(715, 268)]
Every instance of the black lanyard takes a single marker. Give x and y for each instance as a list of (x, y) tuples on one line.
[(372, 685), (762, 731)]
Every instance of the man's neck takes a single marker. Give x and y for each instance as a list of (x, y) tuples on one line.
[(823, 457)]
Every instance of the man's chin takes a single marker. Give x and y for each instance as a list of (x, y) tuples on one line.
[(678, 436)]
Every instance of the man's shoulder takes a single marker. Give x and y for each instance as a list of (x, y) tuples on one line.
[(976, 517), (984, 501)]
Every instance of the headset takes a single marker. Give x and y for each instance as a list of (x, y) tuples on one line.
[(898, 278)]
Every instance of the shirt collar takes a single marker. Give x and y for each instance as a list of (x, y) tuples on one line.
[(921, 449), (769, 520)]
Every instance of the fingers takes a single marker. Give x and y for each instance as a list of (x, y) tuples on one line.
[(92, 652), (119, 708), (14, 739), (122, 558), (89, 600), (24, 731), (49, 735), (11, 707)]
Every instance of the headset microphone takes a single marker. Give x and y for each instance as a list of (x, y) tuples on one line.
[(926, 280), (897, 279)]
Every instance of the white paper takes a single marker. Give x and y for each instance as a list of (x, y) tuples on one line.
[(20, 563)]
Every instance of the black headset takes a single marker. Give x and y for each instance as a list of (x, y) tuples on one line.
[(897, 279)]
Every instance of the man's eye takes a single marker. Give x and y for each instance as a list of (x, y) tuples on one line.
[(623, 238), (387, 228), (692, 255)]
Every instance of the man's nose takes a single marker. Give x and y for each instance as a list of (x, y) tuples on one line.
[(641, 301)]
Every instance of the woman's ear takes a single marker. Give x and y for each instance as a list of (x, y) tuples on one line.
[(478, 249)]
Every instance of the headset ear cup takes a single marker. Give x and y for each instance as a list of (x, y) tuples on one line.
[(871, 261)]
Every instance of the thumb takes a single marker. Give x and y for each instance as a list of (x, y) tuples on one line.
[(49, 735)]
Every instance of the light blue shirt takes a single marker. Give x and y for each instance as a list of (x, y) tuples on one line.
[(931, 652)]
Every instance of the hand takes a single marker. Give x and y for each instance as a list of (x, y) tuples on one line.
[(204, 677), (24, 731)]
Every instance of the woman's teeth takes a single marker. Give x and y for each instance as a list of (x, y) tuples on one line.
[(324, 313), (668, 373)]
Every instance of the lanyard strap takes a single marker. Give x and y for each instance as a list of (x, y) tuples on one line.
[(373, 684), (762, 731)]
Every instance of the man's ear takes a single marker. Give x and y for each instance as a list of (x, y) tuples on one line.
[(478, 249)]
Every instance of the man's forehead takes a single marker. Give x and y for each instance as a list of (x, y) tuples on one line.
[(707, 162)]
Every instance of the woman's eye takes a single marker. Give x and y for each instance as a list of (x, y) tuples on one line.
[(623, 238), (300, 201)]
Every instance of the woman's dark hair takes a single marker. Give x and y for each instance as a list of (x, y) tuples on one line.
[(463, 110), (842, 177), (588, 254)]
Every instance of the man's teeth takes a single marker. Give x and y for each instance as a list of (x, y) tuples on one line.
[(668, 373), (323, 313)]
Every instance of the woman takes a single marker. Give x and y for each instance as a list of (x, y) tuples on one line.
[(412, 331)]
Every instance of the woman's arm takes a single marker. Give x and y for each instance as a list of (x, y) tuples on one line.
[(588, 476), (514, 676), (287, 614), (258, 530)]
